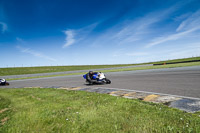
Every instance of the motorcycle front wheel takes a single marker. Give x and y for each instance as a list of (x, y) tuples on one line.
[(108, 81)]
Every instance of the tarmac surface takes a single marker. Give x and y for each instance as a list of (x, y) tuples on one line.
[(183, 81), (68, 72), (174, 87)]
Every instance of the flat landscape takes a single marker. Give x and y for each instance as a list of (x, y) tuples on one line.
[(37, 104), (100, 66)]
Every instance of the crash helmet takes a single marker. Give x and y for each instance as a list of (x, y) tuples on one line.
[(90, 72), (2, 80)]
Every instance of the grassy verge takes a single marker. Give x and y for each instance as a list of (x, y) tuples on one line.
[(178, 60), (5, 111), (51, 110), (49, 69), (118, 70), (156, 67)]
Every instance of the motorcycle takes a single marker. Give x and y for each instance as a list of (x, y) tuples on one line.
[(98, 78), (3, 82)]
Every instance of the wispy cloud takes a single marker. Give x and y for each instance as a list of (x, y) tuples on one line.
[(127, 32), (188, 26), (192, 21), (75, 35), (4, 27), (69, 38), (34, 53), (140, 28), (160, 40), (134, 31)]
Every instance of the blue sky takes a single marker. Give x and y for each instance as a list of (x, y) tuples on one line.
[(82, 32)]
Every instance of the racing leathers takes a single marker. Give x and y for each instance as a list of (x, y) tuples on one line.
[(89, 77)]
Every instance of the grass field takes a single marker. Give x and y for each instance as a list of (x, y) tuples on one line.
[(48, 69), (155, 67), (178, 60), (52, 110)]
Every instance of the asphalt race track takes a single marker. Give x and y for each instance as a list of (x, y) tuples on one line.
[(184, 81)]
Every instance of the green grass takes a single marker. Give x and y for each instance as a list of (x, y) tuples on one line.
[(48, 69), (52, 110), (118, 70), (155, 67), (177, 60)]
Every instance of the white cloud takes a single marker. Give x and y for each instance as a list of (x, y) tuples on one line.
[(76, 35), (69, 38), (4, 27), (137, 30), (141, 26), (186, 27), (127, 32), (192, 21), (163, 39), (34, 53)]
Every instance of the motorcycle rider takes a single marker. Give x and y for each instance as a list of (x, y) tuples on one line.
[(96, 78), (89, 77)]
